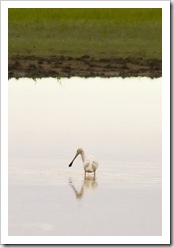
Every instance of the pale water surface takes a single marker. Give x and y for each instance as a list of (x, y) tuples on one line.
[(118, 121)]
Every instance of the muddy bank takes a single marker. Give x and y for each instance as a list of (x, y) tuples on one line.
[(85, 66)]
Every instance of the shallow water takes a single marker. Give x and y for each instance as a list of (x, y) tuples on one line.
[(117, 120)]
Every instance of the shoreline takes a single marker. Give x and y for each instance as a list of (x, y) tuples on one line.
[(84, 66)]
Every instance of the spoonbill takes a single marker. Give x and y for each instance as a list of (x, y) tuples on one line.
[(90, 164)]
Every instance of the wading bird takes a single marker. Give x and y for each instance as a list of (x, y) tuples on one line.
[(90, 164)]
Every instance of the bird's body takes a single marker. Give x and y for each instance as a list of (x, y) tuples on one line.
[(90, 164)]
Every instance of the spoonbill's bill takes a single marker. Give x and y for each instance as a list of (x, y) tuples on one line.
[(90, 164)]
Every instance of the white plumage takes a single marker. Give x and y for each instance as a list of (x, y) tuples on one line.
[(90, 164)]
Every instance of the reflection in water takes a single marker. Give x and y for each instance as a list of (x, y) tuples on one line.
[(119, 121), (88, 184)]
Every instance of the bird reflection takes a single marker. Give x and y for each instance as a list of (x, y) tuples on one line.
[(88, 184)]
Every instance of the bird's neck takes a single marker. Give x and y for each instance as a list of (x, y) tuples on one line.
[(83, 156)]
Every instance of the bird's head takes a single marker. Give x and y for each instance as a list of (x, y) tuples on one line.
[(79, 151)]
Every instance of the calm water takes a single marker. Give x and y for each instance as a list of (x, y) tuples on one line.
[(118, 121)]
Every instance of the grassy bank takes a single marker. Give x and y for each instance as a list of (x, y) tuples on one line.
[(99, 33)]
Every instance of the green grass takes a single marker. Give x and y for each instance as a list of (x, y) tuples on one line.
[(95, 32)]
